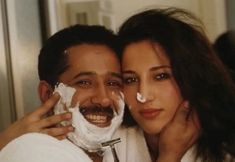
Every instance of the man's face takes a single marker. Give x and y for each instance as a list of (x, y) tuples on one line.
[(94, 71)]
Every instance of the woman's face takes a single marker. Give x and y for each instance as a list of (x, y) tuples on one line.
[(147, 72)]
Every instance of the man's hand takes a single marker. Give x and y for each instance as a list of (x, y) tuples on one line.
[(179, 135), (37, 122)]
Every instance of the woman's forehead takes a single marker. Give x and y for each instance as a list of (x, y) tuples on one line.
[(144, 52)]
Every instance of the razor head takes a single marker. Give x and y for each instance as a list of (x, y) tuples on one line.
[(111, 142)]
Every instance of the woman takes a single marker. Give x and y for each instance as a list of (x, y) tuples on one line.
[(168, 62)]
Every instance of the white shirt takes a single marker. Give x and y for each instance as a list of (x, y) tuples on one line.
[(36, 147)]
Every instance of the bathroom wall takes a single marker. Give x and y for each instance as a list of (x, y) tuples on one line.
[(20, 41)]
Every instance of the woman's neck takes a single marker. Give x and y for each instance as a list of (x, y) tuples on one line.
[(152, 143)]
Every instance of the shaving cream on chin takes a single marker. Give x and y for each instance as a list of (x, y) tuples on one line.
[(86, 135)]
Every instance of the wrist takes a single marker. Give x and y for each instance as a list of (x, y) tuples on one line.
[(3, 139), (6, 136)]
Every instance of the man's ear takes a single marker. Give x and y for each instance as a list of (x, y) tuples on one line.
[(44, 91)]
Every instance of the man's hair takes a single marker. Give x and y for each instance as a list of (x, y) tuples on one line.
[(52, 60), (200, 75)]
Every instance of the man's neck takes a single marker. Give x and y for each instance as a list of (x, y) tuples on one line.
[(94, 156)]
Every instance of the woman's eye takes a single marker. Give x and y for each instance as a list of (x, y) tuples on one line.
[(130, 80), (162, 76)]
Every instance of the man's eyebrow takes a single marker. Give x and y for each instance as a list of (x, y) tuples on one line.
[(128, 72), (87, 73), (118, 75), (92, 73)]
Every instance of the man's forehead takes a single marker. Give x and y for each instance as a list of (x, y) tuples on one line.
[(86, 47), (90, 57)]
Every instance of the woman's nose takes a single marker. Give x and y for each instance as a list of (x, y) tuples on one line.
[(145, 92)]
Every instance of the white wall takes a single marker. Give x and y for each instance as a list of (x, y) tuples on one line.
[(6, 91), (230, 14), (25, 42), (124, 9), (211, 12), (119, 10)]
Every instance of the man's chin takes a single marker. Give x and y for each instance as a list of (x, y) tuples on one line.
[(101, 125)]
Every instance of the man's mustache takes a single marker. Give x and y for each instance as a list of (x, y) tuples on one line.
[(96, 109)]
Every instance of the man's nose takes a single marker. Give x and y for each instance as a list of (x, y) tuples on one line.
[(102, 96)]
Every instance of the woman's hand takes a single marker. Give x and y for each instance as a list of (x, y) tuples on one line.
[(179, 135), (38, 122)]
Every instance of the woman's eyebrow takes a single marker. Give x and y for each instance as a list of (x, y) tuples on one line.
[(159, 67)]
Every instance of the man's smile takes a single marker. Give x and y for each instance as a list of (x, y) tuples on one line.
[(99, 116)]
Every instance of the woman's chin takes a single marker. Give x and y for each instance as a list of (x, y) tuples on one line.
[(152, 131)]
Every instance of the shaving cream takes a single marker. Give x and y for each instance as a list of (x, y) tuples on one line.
[(140, 97), (86, 135)]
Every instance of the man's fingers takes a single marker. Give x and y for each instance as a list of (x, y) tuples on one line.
[(48, 105), (55, 119), (61, 137), (194, 124), (182, 113), (195, 120), (58, 132)]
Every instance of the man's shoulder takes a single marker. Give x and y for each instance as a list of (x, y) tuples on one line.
[(37, 147), (30, 139)]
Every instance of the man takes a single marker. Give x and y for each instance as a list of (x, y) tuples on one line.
[(84, 59), (81, 63)]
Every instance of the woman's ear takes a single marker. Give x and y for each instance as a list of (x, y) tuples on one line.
[(44, 91)]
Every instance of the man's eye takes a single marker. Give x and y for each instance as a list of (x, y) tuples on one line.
[(130, 80), (115, 83), (83, 83), (162, 76)]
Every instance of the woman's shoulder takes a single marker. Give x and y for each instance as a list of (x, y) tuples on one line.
[(133, 146), (190, 156)]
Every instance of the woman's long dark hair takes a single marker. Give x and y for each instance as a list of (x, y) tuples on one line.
[(199, 73)]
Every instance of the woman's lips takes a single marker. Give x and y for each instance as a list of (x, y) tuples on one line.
[(150, 113)]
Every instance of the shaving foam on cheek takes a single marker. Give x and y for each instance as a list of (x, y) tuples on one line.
[(66, 94), (86, 135)]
